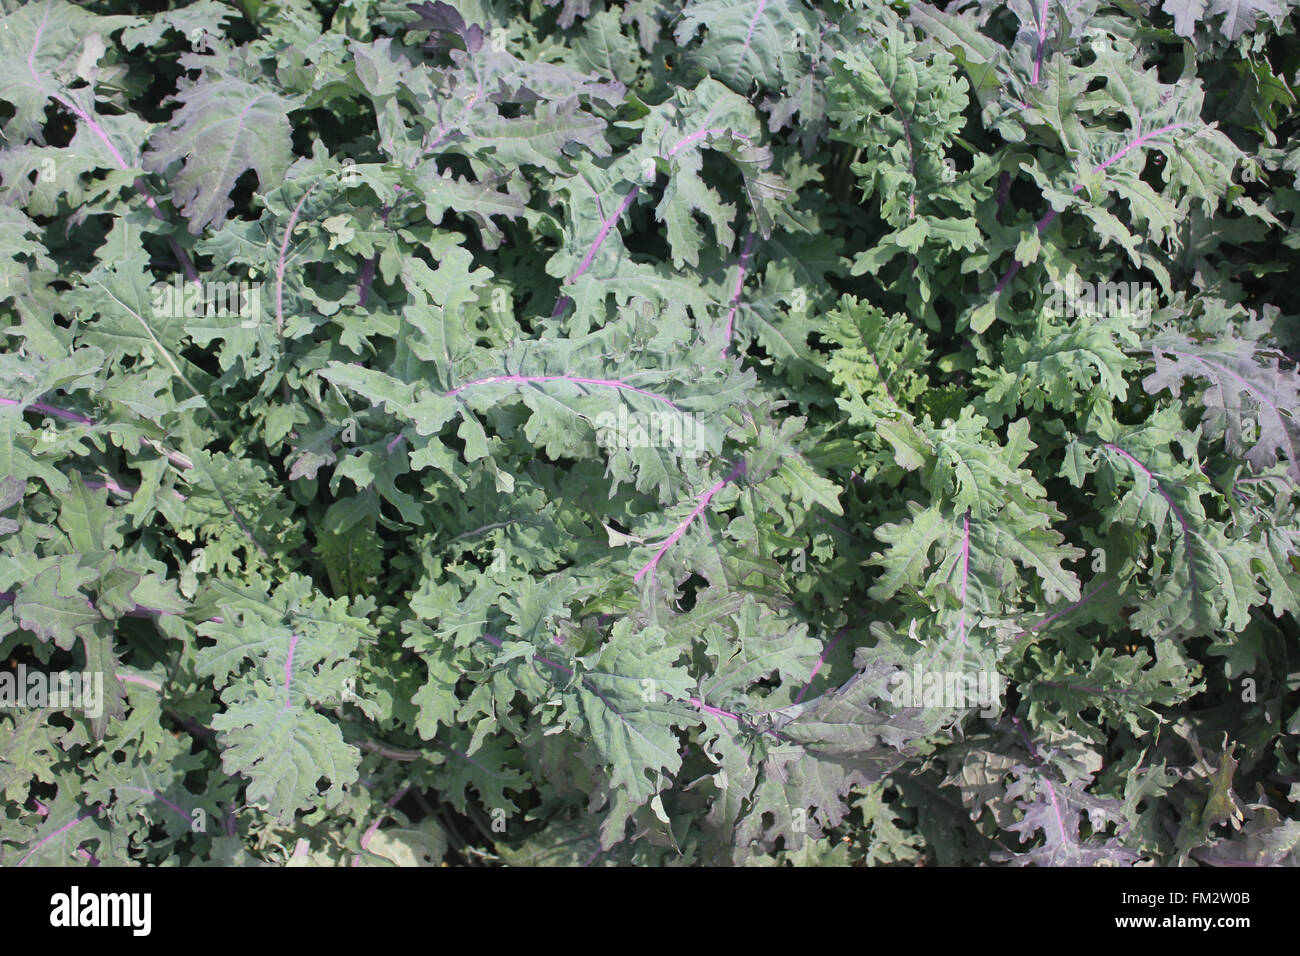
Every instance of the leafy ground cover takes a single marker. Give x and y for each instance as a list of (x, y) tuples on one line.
[(706, 433)]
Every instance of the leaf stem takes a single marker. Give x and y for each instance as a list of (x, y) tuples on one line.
[(702, 503), (1115, 157)]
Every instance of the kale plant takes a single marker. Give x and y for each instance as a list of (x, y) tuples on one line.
[(596, 432)]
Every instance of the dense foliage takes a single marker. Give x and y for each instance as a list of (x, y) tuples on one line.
[(557, 432)]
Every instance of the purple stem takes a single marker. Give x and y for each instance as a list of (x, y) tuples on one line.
[(735, 295), (1142, 140), (176, 458), (1246, 385), (1115, 157), (704, 708), (182, 256), (497, 642), (1056, 807), (161, 799), (820, 661), (1042, 39), (113, 486), (374, 827), (703, 502), (1042, 224), (605, 227), (143, 612), (142, 681), (1079, 603), (444, 133), (749, 34), (50, 410), (695, 702), (368, 270), (1033, 751), (61, 830), (367, 276), (1004, 192), (279, 266), (1051, 790)]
